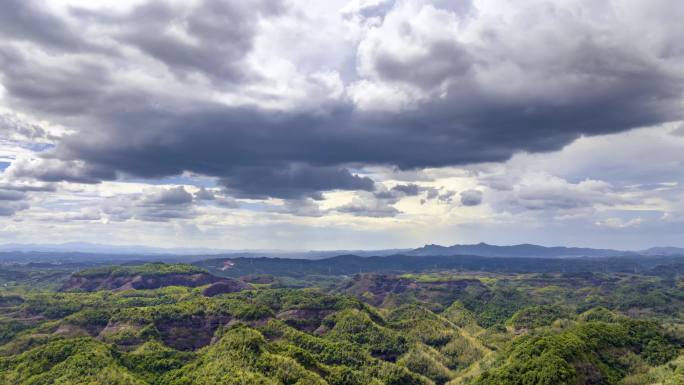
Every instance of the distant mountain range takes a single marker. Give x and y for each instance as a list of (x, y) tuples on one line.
[(524, 250), (346, 265), (666, 251), (85, 251), (536, 251)]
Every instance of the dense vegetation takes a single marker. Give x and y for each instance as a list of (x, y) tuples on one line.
[(146, 269), (442, 327), (352, 264)]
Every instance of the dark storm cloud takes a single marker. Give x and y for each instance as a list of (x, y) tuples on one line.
[(170, 197), (292, 181), (205, 195), (396, 193), (410, 189), (52, 170), (446, 196), (15, 197), (256, 152), (12, 201), (553, 92), (259, 153), (8, 209), (28, 20), (380, 203), (11, 195), (62, 87), (447, 59), (209, 37), (471, 197)]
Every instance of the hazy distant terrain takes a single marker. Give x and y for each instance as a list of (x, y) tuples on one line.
[(70, 252)]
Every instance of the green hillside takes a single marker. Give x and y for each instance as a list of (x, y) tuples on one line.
[(445, 327)]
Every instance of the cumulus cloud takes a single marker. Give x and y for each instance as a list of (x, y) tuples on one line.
[(617, 223), (471, 197), (163, 204), (6, 195), (12, 201), (211, 38), (55, 170), (547, 193), (301, 207), (153, 205), (555, 193), (366, 205), (410, 189), (30, 21), (16, 195), (169, 197), (14, 128), (89, 214), (679, 131), (417, 45), (10, 208), (205, 194), (635, 172)]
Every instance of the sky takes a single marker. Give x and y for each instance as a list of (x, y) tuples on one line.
[(362, 124)]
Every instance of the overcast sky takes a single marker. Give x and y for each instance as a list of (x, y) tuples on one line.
[(342, 124)]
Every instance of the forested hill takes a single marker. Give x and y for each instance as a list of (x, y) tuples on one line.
[(442, 328), (352, 264), (148, 276)]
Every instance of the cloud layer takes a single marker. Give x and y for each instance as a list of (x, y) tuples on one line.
[(468, 90), (298, 102)]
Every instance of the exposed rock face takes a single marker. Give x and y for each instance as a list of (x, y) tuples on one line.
[(71, 331), (123, 333), (142, 281), (304, 319), (190, 333), (225, 285)]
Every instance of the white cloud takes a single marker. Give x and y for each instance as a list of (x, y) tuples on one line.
[(617, 223)]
